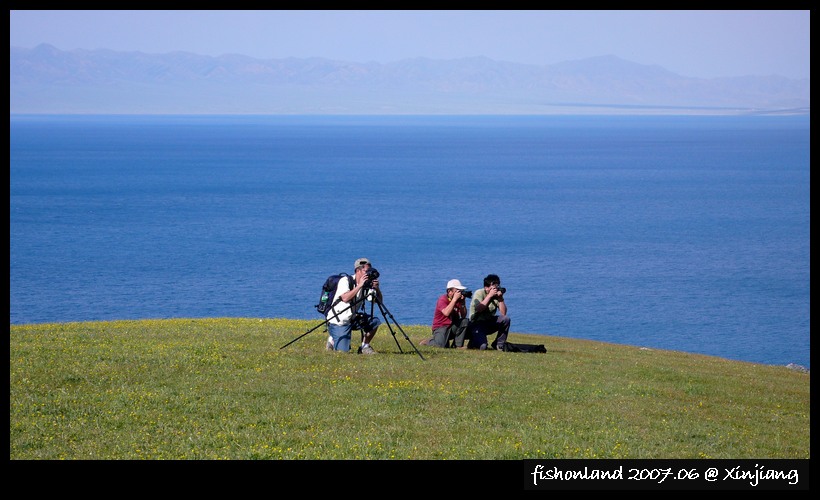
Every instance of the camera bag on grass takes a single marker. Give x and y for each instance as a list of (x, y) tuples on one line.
[(510, 347)]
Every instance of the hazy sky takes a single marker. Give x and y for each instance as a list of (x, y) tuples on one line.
[(691, 43)]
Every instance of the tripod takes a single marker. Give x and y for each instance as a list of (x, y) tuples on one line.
[(354, 305), (387, 314)]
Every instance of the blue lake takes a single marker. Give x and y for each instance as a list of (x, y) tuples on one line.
[(676, 232)]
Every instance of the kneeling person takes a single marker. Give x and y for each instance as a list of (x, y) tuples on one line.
[(450, 318), (488, 314), (348, 314)]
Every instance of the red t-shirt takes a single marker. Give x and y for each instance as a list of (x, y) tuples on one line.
[(439, 319)]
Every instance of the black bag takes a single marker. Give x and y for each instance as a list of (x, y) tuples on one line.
[(510, 347), (327, 299)]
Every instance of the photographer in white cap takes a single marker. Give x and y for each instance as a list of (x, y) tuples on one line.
[(349, 314), (450, 317)]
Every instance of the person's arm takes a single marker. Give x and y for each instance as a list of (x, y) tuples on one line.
[(462, 309), (452, 304), (502, 306), (351, 294), (484, 304)]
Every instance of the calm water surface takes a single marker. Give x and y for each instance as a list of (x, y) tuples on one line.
[(682, 233)]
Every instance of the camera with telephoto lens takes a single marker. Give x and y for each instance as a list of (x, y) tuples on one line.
[(502, 290), (467, 294), (372, 274)]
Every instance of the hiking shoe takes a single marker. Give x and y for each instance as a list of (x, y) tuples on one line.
[(329, 344), (482, 347), (366, 350)]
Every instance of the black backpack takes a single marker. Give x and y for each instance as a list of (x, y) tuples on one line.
[(328, 299), (510, 347)]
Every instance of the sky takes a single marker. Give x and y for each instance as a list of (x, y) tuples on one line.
[(704, 44)]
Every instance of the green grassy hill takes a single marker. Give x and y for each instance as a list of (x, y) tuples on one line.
[(226, 389)]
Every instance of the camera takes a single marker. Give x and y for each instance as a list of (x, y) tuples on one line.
[(372, 274), (467, 294), (502, 290)]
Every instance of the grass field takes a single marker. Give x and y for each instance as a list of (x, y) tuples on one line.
[(224, 388)]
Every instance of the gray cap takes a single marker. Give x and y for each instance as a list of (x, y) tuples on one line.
[(360, 262)]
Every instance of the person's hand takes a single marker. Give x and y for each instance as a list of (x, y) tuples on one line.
[(457, 295)]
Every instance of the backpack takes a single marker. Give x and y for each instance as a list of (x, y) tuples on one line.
[(510, 347), (327, 299)]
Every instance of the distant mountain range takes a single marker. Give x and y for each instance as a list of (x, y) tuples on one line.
[(47, 80)]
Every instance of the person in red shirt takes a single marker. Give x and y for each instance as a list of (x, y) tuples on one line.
[(450, 318)]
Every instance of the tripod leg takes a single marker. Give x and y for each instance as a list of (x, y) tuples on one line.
[(325, 322), (386, 314), (300, 336), (387, 322)]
